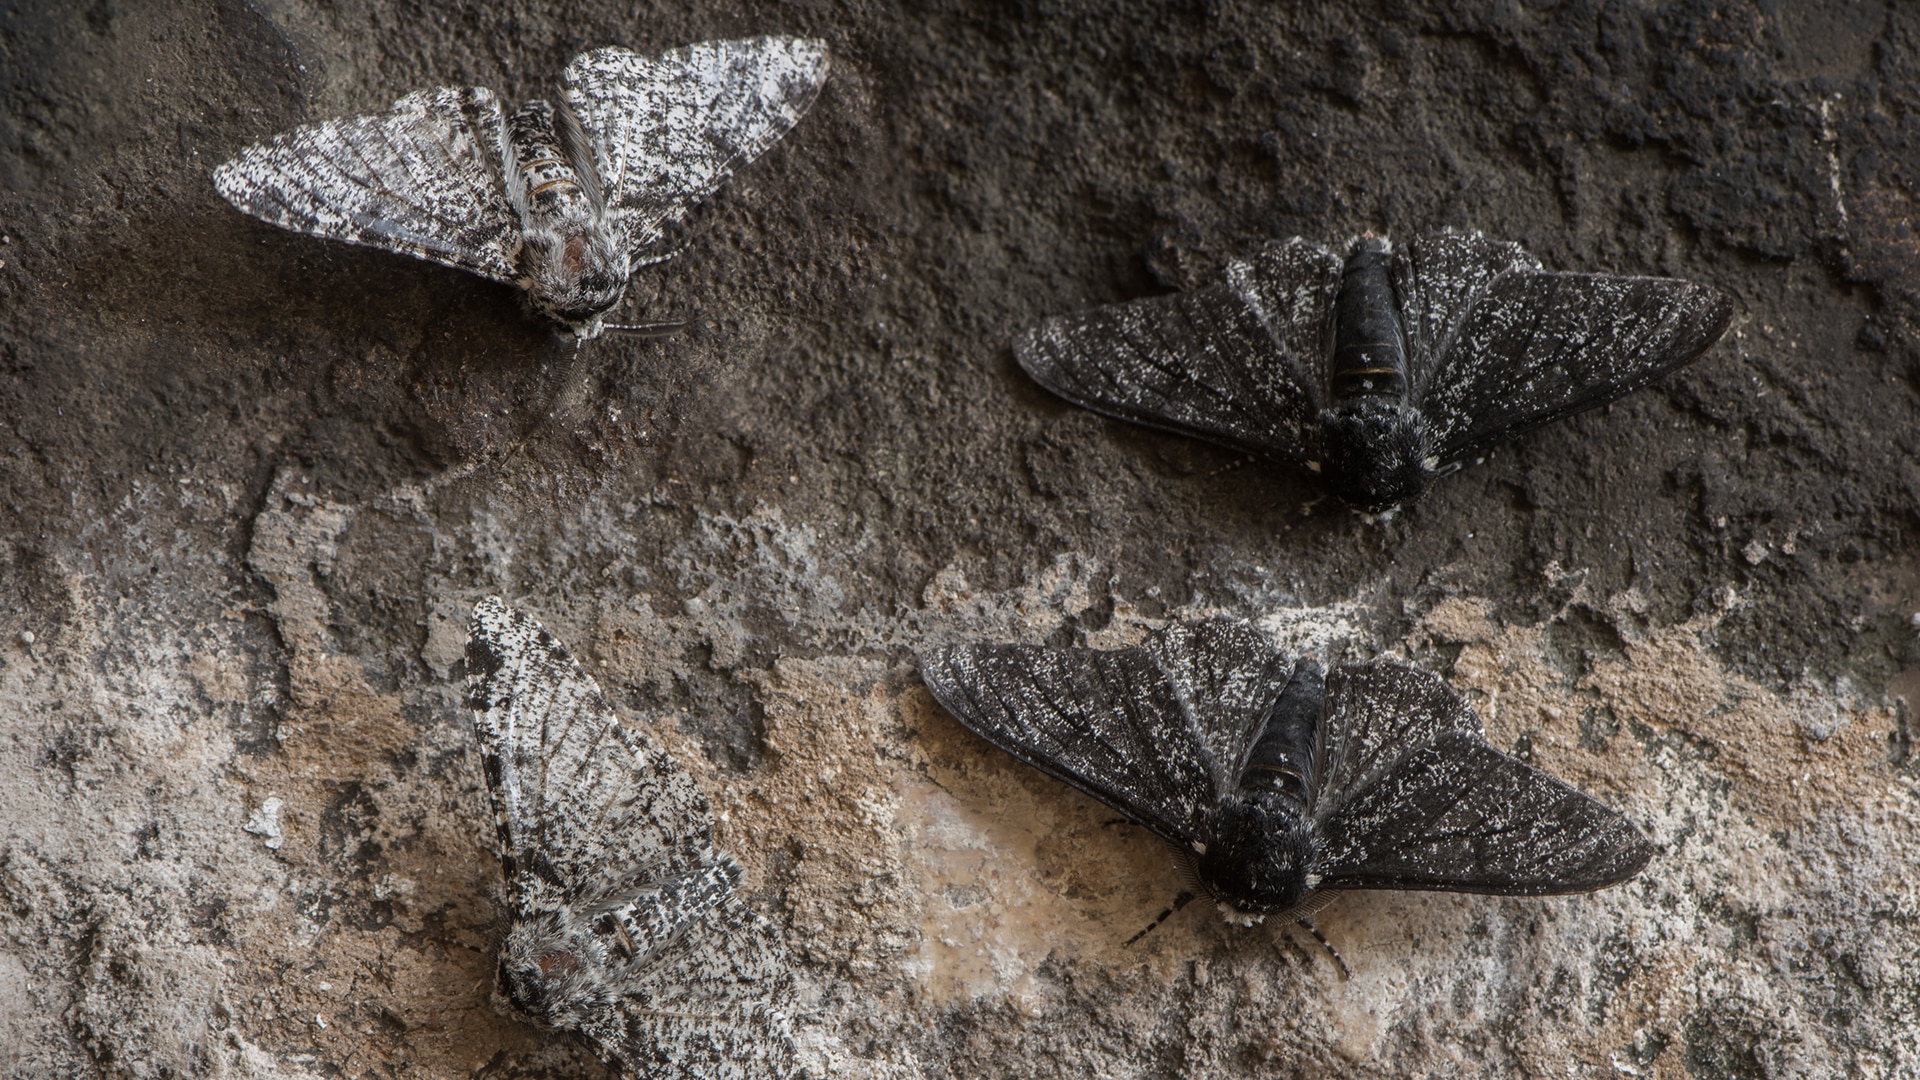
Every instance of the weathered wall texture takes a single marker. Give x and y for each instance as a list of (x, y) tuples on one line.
[(250, 484)]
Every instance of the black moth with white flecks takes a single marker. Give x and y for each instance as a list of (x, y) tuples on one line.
[(1382, 370), (1277, 782), (563, 201), (625, 925)]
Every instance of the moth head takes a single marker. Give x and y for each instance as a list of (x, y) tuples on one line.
[(1378, 453), (552, 972), (1256, 862), (574, 275)]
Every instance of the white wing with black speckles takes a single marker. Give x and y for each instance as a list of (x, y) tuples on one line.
[(668, 130), (425, 178), (582, 802), (626, 924)]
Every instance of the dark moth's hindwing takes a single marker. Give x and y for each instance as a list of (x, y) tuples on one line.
[(1493, 346), (1378, 778), (626, 927)]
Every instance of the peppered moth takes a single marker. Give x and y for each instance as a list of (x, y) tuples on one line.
[(625, 926), (1382, 370), (1276, 780), (562, 200)]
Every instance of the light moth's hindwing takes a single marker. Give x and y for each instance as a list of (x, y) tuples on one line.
[(626, 927), (1400, 791), (1496, 346)]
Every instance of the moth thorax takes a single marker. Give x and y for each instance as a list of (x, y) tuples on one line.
[(574, 271), (1369, 347), (1256, 861), (1378, 452), (551, 972)]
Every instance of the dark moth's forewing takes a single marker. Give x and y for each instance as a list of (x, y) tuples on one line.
[(1416, 799), (1495, 346), (1405, 792), (1236, 363), (1122, 725)]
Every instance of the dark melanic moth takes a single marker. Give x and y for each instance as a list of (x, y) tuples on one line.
[(625, 924), (563, 200), (1380, 371), (1278, 783)]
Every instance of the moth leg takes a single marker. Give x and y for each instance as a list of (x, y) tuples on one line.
[(1345, 971), (1185, 898)]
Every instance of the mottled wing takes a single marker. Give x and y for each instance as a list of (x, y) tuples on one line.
[(582, 803), (668, 130), (1437, 278), (1418, 800), (713, 1006), (1226, 675), (1525, 347), (1239, 363), (423, 179), (1110, 723)]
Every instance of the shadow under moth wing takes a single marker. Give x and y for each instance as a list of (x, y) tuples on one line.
[(625, 924), (1381, 371), (1274, 779)]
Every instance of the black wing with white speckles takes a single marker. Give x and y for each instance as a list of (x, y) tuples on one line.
[(1530, 347), (1236, 363), (1156, 731), (424, 178), (1416, 799), (1377, 778), (626, 927), (668, 130), (1382, 370)]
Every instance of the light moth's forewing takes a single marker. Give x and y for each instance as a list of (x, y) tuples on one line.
[(607, 849), (668, 130), (578, 796), (423, 179)]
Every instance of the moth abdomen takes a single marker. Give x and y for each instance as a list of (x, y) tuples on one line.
[(1369, 356), (1280, 767)]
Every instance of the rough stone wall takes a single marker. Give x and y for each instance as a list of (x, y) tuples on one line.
[(250, 484)]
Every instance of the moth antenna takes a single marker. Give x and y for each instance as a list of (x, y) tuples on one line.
[(1345, 971), (1231, 465), (1179, 902), (646, 331)]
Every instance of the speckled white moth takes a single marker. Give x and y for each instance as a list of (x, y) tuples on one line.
[(625, 925), (563, 201)]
